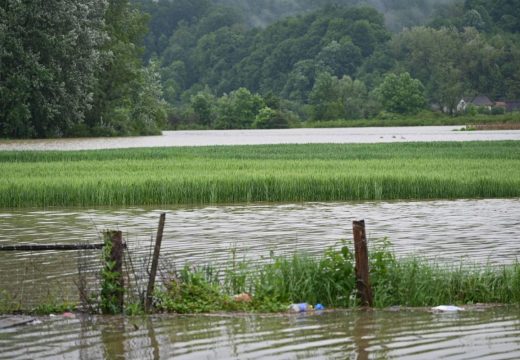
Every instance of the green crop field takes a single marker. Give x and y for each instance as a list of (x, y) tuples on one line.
[(228, 174)]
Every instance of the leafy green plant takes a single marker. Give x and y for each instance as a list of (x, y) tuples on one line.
[(111, 289), (8, 303), (53, 308), (190, 292)]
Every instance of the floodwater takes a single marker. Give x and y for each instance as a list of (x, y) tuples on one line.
[(255, 137), (489, 334), (473, 231), (449, 231), (480, 231)]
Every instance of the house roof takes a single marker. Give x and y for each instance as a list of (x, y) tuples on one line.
[(482, 100)]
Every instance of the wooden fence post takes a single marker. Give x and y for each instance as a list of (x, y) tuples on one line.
[(362, 271), (155, 263)]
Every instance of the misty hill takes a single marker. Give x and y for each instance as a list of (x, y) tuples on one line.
[(398, 13), (328, 63)]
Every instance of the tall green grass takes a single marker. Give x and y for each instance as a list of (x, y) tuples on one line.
[(228, 174), (330, 280)]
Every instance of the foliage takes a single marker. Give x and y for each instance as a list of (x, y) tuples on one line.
[(238, 110), (401, 94), (343, 98), (128, 96), (53, 308), (268, 118), (190, 292), (326, 62), (91, 69), (329, 279), (111, 289), (423, 118), (8, 303), (230, 174), (48, 58), (73, 68)]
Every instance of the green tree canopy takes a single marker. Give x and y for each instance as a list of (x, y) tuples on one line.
[(49, 54), (401, 94)]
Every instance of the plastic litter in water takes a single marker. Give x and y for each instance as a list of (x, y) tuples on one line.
[(319, 307), (69, 315), (447, 308), (301, 307)]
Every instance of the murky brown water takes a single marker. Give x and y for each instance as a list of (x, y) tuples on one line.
[(474, 230), (489, 334), (253, 137)]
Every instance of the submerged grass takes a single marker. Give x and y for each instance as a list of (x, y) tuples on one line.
[(228, 174), (330, 280)]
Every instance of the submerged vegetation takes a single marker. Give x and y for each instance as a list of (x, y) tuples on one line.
[(229, 174), (278, 281), (330, 280)]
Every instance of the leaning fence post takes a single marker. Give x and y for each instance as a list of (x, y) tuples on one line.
[(112, 292), (362, 271), (155, 263)]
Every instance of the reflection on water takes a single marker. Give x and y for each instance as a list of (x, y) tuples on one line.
[(489, 334), (256, 137)]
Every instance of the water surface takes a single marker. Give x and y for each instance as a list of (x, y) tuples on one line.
[(256, 137), (468, 231), (449, 231), (489, 334)]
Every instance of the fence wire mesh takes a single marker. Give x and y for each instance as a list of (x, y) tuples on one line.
[(33, 279)]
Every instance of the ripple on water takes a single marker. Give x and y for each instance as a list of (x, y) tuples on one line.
[(489, 334), (477, 231)]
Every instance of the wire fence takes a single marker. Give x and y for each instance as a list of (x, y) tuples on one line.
[(32, 279)]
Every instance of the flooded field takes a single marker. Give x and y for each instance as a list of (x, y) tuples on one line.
[(256, 137), (472, 334), (473, 231)]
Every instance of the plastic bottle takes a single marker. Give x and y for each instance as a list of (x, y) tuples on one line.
[(300, 307)]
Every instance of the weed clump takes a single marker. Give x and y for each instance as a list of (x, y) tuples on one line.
[(330, 280)]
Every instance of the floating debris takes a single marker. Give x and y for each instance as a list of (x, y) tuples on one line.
[(447, 308)]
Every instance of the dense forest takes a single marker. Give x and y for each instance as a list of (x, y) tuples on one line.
[(98, 67), (241, 64)]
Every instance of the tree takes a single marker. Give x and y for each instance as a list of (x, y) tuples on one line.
[(203, 104), (268, 118), (401, 94), (148, 109), (49, 54), (334, 98), (121, 77), (238, 110)]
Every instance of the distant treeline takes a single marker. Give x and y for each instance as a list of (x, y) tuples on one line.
[(101, 67), (335, 62)]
